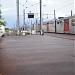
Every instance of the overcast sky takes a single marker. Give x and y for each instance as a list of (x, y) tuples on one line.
[(62, 7)]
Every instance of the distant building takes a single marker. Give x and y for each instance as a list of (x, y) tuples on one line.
[(2, 30)]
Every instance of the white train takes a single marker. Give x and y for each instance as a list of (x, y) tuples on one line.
[(62, 25)]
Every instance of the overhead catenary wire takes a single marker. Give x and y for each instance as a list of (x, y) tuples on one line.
[(68, 4)]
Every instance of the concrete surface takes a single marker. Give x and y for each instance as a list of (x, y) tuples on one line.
[(49, 54)]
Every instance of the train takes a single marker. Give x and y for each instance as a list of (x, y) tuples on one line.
[(61, 25)]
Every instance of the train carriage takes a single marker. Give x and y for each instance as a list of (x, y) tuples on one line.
[(66, 25)]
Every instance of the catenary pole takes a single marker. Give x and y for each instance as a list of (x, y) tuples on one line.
[(41, 15), (55, 20), (24, 19), (18, 17), (71, 12)]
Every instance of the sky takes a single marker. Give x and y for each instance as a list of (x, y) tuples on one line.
[(62, 8)]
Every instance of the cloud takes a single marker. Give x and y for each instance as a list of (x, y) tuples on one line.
[(6, 9), (74, 6)]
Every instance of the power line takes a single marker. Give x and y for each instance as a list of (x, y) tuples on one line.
[(64, 5)]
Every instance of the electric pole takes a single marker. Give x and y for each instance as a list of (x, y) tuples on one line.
[(71, 12), (0, 11), (36, 25), (54, 15), (24, 19), (41, 16), (55, 20), (18, 17)]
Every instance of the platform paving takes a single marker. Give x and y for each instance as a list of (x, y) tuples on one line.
[(49, 54)]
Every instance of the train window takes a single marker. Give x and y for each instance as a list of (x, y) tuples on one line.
[(60, 21), (73, 22), (51, 23), (57, 22)]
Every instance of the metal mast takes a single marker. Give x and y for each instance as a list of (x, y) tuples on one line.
[(24, 19), (18, 17), (41, 15)]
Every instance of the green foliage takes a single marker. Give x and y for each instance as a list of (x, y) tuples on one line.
[(0, 16), (3, 23), (0, 11), (7, 29)]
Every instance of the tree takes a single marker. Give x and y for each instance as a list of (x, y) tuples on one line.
[(2, 22), (7, 29), (0, 14)]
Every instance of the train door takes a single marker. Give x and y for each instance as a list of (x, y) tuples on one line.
[(48, 27), (66, 25), (44, 27), (52, 26), (39, 27)]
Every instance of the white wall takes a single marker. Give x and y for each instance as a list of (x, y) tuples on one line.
[(2, 28)]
